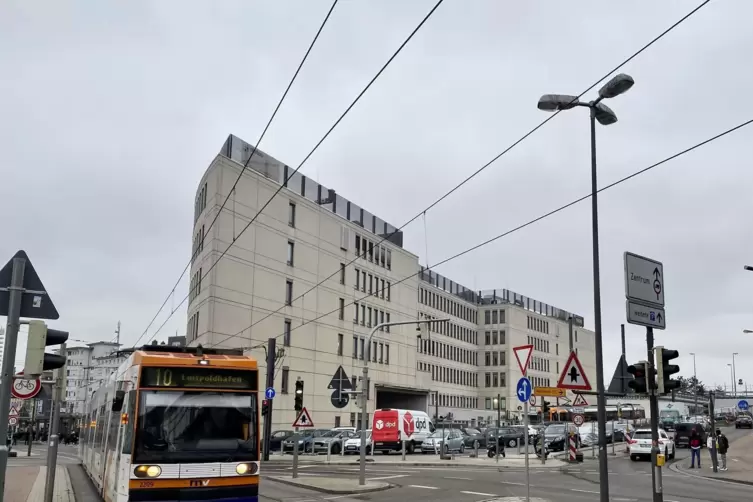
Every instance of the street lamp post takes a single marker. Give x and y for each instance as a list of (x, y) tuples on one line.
[(734, 374), (748, 331), (605, 116), (695, 386), (731, 377), (365, 383)]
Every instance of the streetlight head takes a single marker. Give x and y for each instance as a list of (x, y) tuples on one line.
[(557, 102), (604, 114), (749, 268), (619, 84), (747, 331)]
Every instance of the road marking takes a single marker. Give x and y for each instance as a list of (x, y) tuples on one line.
[(461, 479), (584, 491), (390, 477), (511, 483), (480, 494), (424, 487)]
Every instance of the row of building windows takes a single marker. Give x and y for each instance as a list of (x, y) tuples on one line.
[(494, 317), (494, 379), (447, 351), (194, 287), (198, 243), (494, 337), (376, 285), (538, 364), (373, 252), (540, 345), (452, 330), (491, 403), (201, 203), (192, 330), (540, 382), (447, 305), (369, 316), (495, 358), (449, 375), (454, 401), (539, 325)]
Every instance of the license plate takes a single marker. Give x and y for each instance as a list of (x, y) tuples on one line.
[(379, 444)]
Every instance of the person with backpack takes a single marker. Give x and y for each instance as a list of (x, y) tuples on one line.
[(722, 444), (695, 449)]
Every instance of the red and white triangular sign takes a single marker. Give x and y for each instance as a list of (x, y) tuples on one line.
[(303, 419), (13, 412), (523, 355), (580, 400), (573, 377)]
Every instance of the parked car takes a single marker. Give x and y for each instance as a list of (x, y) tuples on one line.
[(639, 445), (510, 436), (743, 421), (332, 440), (533, 432), (554, 436), (275, 442), (473, 438), (353, 443), (684, 430), (305, 441), (452, 440)]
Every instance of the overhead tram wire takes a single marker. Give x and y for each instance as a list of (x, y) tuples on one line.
[(313, 150), (245, 165), (519, 227), (493, 160)]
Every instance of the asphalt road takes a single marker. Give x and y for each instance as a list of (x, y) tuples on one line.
[(628, 482)]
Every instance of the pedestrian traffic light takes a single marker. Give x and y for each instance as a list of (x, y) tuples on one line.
[(37, 360), (544, 409), (665, 370), (265, 408), (298, 395), (640, 381)]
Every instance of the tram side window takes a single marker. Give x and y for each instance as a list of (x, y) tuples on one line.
[(112, 433), (100, 429), (130, 409)]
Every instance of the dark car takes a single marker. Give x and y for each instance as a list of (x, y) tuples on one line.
[(743, 421), (509, 436), (275, 442), (305, 441), (473, 438), (554, 436), (684, 430)]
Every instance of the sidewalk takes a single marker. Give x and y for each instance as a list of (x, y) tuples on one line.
[(511, 461), (739, 464), (26, 484)]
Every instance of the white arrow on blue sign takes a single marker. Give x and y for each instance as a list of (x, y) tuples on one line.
[(524, 390), (743, 405), (269, 393)]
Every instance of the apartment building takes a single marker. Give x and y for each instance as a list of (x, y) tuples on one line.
[(87, 369), (265, 286)]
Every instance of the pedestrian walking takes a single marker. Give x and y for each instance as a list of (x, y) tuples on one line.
[(695, 449), (722, 445), (710, 447)]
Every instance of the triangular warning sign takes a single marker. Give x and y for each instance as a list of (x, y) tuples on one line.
[(303, 419), (13, 412), (580, 400), (35, 302), (619, 383), (523, 355), (573, 377)]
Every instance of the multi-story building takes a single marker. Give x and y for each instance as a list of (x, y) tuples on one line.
[(265, 286), (2, 346), (87, 369)]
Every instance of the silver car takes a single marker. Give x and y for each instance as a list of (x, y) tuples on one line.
[(452, 440), (331, 439)]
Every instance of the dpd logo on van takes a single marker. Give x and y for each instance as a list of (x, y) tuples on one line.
[(408, 425)]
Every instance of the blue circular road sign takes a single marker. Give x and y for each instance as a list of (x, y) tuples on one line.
[(524, 390), (743, 405), (269, 393)]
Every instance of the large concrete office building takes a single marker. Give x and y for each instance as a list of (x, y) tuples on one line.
[(265, 286)]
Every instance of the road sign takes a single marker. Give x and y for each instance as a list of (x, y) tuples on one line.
[(25, 389), (580, 400), (573, 377), (523, 355), (340, 401), (532, 401), (524, 390), (13, 411), (579, 419), (270, 393), (549, 392), (339, 383), (644, 280), (35, 302), (12, 421), (743, 405), (645, 315), (303, 419)]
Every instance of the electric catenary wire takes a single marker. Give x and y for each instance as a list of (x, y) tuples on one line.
[(245, 165), (493, 160), (316, 147), (519, 227)]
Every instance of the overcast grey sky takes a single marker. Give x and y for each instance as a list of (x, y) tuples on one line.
[(112, 114)]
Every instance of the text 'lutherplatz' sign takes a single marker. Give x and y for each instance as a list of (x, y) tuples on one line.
[(644, 291)]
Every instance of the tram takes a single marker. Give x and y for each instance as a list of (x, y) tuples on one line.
[(175, 423), (625, 412)]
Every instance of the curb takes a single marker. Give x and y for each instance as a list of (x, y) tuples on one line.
[(301, 484), (675, 467), (425, 464)]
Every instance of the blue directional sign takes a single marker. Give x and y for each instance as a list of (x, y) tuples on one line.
[(269, 393), (743, 405), (524, 390)]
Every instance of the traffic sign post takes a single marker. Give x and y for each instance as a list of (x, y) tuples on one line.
[(644, 291), (25, 389), (578, 420), (743, 405), (270, 393), (573, 377), (549, 391), (339, 383), (523, 355), (580, 400), (303, 419), (645, 315)]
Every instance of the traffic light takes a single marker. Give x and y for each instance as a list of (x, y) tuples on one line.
[(641, 379), (544, 409), (665, 370), (37, 360), (265, 408), (298, 395)]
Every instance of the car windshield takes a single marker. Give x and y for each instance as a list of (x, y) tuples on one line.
[(437, 434), (472, 432), (555, 429), (199, 426), (642, 435), (331, 434)]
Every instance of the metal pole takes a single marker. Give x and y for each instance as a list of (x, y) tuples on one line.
[(364, 406), (54, 439), (656, 482), (525, 438), (623, 383), (296, 438), (9, 357), (734, 377), (695, 388), (714, 460), (601, 397), (271, 353), (31, 424), (498, 425), (570, 333)]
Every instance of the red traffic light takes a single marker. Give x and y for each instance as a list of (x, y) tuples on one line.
[(265, 403)]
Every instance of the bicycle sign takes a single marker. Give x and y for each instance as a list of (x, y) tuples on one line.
[(25, 389)]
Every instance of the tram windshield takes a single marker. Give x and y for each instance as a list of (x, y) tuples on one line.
[(196, 426)]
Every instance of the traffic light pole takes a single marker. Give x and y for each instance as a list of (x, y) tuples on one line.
[(9, 357), (656, 480), (271, 356), (54, 439)]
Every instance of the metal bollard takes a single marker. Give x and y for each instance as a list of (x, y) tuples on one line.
[(342, 449), (593, 440), (517, 443), (329, 450), (403, 449), (295, 458), (475, 447)]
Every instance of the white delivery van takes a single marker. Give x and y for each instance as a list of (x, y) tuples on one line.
[(391, 426)]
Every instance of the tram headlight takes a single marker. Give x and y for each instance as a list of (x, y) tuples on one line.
[(246, 469), (147, 471)]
